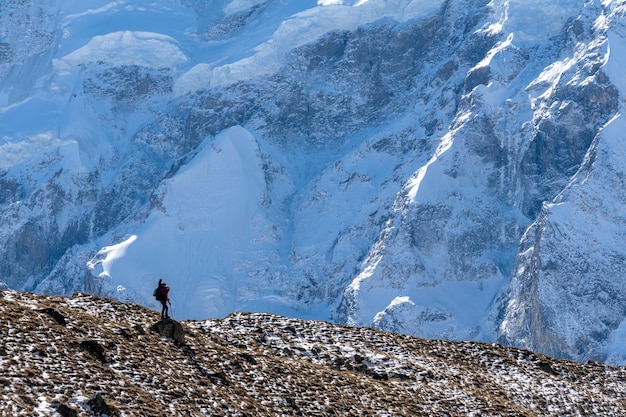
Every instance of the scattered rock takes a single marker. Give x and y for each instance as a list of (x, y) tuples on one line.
[(139, 329), (99, 407), (64, 410), (125, 333), (58, 317), (248, 358), (170, 328), (545, 366), (95, 349)]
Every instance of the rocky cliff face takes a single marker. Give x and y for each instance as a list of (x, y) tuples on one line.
[(574, 243), (91, 356), (525, 122), (449, 169)]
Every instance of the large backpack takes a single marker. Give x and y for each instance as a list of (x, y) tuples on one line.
[(160, 293)]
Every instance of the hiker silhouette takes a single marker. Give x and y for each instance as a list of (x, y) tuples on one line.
[(161, 293)]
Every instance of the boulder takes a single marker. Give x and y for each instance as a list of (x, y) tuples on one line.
[(169, 328), (95, 349), (99, 407)]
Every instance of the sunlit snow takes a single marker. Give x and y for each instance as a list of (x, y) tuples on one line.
[(127, 48), (204, 227)]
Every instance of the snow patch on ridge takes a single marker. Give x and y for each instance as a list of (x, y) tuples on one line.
[(126, 48), (101, 264), (14, 152), (535, 20)]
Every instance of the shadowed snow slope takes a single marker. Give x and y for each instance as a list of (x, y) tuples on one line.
[(88, 355)]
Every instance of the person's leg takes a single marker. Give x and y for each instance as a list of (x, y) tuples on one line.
[(163, 309)]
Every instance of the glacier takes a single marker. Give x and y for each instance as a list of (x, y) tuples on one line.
[(449, 169)]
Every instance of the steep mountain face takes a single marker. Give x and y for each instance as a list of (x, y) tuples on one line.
[(90, 356), (448, 169), (566, 296), (539, 97)]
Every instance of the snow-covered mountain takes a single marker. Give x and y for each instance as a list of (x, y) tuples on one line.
[(447, 169), (91, 356)]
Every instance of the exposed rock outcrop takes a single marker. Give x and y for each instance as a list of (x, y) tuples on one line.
[(169, 328)]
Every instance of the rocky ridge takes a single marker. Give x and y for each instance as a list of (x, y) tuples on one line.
[(87, 355)]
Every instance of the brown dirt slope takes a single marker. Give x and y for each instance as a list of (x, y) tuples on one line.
[(86, 355)]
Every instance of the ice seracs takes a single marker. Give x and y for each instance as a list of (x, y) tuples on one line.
[(144, 49)]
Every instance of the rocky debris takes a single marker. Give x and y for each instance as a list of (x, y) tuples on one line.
[(64, 410), (95, 349), (99, 407), (58, 317)]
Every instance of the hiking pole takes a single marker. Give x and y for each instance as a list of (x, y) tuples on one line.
[(171, 310)]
